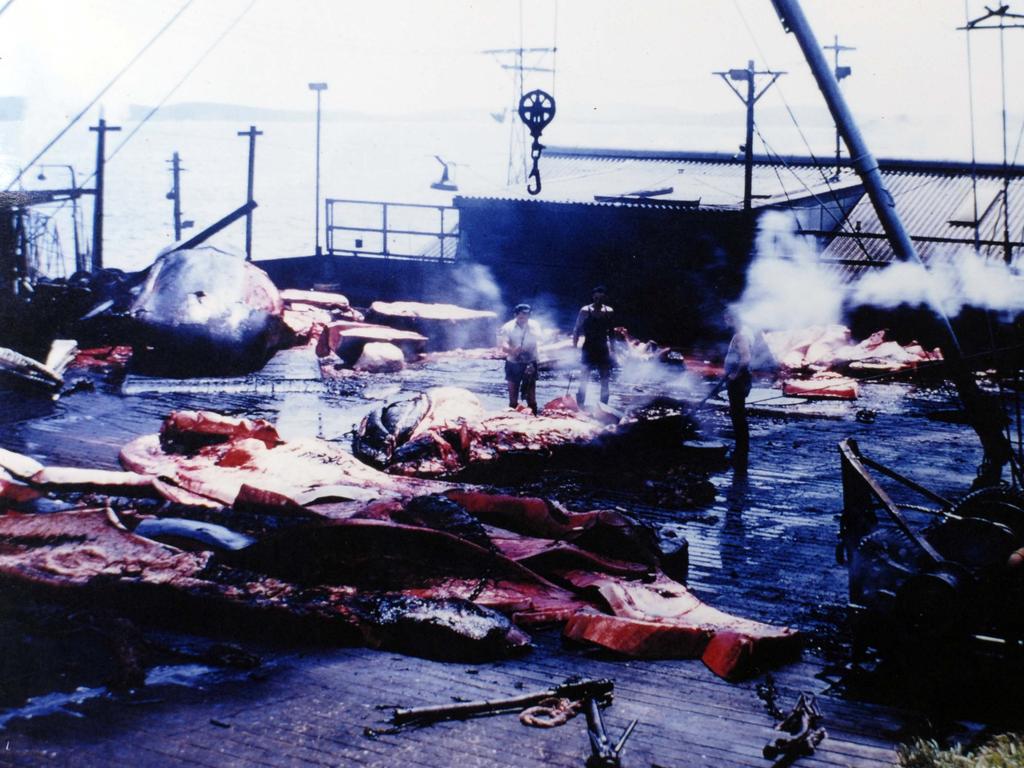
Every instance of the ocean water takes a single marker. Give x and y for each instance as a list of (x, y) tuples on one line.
[(365, 158), (369, 160)]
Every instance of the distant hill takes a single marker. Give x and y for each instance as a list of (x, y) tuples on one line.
[(202, 110), (611, 113), (12, 108)]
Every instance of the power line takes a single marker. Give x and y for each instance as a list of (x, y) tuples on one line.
[(7, 5), (99, 95), (796, 123), (184, 77), (171, 92), (974, 158)]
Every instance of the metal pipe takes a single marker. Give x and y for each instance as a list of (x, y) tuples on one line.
[(75, 192), (984, 416)]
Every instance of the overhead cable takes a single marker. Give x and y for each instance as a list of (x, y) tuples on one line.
[(807, 145), (184, 77), (789, 111), (99, 95)]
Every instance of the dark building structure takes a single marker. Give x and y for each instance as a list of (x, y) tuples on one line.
[(666, 231)]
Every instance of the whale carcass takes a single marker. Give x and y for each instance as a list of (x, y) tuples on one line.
[(318, 542), (204, 311)]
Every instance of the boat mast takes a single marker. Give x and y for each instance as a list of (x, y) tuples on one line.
[(986, 416)]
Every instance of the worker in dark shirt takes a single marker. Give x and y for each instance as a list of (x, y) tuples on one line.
[(594, 323)]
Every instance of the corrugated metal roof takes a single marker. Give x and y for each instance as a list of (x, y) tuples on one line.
[(935, 199), (643, 181), (928, 204)]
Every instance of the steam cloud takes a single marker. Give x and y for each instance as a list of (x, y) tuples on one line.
[(966, 280), (473, 285), (787, 288)]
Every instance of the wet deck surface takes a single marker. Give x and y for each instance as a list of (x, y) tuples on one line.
[(763, 549)]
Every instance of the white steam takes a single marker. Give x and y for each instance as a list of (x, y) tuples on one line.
[(965, 279), (473, 285), (786, 286)]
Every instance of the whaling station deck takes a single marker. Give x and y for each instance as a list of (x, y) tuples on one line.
[(764, 549)]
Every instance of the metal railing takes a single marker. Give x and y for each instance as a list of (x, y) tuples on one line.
[(378, 229)]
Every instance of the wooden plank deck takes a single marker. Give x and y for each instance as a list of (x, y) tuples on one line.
[(764, 549)]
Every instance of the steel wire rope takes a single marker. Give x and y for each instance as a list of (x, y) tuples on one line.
[(812, 193), (99, 95), (518, 135), (775, 168), (1016, 149), (554, 51), (220, 38), (796, 123), (970, 110), (170, 93)]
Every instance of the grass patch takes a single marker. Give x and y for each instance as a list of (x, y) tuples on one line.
[(1003, 751)]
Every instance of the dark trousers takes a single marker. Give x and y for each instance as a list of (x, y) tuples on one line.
[(738, 390), (521, 377), (594, 359)]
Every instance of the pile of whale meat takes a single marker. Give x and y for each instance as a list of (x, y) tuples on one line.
[(831, 347), (412, 565), (307, 311), (447, 326), (446, 430)]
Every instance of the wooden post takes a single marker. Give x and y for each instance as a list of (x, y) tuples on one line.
[(97, 215), (252, 133)]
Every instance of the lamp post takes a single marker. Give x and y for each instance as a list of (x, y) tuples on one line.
[(79, 261), (318, 87)]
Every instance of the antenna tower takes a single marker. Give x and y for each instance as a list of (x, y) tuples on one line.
[(519, 61)]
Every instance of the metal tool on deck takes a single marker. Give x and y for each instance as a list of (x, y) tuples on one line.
[(603, 754), (594, 690), (803, 725), (536, 109), (719, 386)]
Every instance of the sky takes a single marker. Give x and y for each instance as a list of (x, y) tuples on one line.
[(614, 59)]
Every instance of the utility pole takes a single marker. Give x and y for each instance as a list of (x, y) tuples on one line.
[(175, 194), (1006, 20), (97, 211), (840, 73), (517, 153), (748, 75), (252, 133), (319, 88)]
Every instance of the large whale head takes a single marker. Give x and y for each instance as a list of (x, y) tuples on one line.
[(203, 311)]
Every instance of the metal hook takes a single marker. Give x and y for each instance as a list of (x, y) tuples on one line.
[(534, 177)]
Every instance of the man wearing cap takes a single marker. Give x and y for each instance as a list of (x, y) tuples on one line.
[(594, 323), (518, 339)]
